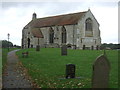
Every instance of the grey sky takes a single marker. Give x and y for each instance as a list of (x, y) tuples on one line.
[(15, 15), (15, 4)]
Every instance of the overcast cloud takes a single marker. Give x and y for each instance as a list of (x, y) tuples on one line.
[(15, 15)]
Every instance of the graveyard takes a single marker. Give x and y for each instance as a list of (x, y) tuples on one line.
[(47, 67)]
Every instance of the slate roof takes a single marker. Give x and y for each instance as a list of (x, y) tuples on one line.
[(67, 19), (37, 33)]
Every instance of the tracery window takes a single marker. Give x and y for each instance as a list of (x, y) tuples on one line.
[(64, 36), (51, 35), (28, 42), (88, 24)]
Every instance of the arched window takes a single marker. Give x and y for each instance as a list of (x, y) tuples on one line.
[(88, 24), (64, 36), (28, 42), (51, 35)]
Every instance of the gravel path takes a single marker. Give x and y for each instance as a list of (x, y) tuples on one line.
[(13, 77)]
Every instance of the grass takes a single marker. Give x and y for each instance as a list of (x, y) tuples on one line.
[(3, 61), (4, 55), (47, 67), (3, 58)]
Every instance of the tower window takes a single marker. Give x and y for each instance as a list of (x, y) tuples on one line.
[(88, 24)]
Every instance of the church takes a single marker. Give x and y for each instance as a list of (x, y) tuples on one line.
[(76, 30)]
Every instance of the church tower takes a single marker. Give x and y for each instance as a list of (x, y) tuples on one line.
[(34, 16)]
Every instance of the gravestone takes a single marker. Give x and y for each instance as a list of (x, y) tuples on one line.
[(74, 46), (70, 71), (101, 69), (83, 47), (38, 48), (92, 47), (25, 54), (97, 47), (64, 50)]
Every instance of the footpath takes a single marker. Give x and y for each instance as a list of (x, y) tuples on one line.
[(13, 76)]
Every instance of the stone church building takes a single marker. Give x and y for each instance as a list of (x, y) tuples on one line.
[(76, 30)]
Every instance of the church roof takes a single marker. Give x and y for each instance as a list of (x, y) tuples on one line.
[(67, 19), (37, 33)]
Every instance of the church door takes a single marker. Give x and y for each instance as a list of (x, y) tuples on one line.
[(28, 43)]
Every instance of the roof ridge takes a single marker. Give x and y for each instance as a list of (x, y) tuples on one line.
[(64, 19), (61, 15)]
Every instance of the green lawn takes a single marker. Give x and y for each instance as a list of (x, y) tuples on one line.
[(4, 55), (3, 61), (47, 67)]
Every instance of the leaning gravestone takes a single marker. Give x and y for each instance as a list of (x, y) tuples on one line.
[(38, 48), (92, 47), (64, 50), (70, 71), (101, 69)]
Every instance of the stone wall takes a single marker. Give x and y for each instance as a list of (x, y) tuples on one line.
[(70, 29)]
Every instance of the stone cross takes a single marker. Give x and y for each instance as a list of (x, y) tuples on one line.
[(101, 69), (64, 50)]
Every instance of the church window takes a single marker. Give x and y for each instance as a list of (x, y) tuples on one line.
[(51, 35), (64, 36), (88, 24), (95, 41), (98, 32), (28, 42), (81, 40)]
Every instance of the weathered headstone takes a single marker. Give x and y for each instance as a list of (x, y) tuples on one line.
[(70, 71), (74, 46), (92, 47), (64, 50), (101, 69), (83, 47), (25, 54), (97, 47), (38, 48)]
